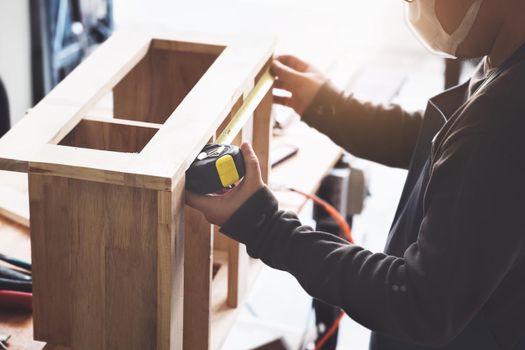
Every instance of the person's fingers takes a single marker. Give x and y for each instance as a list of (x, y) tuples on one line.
[(284, 73), (283, 100), (251, 163), (200, 202), (281, 84), (294, 62)]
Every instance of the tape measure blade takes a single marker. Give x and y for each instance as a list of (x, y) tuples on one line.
[(244, 113)]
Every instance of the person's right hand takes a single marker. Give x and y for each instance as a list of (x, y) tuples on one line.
[(299, 78)]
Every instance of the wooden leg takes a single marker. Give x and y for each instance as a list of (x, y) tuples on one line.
[(238, 258), (237, 272), (237, 264), (170, 268), (51, 257), (197, 280)]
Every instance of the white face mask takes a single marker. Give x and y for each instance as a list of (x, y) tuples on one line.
[(422, 17)]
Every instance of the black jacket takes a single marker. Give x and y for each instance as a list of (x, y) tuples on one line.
[(453, 272)]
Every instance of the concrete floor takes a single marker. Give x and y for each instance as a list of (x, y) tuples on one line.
[(365, 47)]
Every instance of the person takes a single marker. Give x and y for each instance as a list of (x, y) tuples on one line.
[(452, 275)]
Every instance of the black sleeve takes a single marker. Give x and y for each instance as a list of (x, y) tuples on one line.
[(385, 134), (431, 293)]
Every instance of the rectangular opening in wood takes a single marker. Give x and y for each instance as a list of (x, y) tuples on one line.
[(154, 88), (110, 135)]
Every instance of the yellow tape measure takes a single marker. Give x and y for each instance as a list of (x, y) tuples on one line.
[(244, 113), (221, 165)]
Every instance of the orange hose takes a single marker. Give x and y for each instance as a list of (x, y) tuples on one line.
[(341, 221), (330, 332)]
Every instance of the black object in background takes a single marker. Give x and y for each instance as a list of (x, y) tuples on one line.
[(326, 314), (16, 285), (63, 33), (334, 189), (12, 274), (5, 122)]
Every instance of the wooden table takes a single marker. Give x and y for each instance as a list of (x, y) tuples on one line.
[(316, 156)]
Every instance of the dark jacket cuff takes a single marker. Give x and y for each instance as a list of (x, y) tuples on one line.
[(251, 216), (325, 104)]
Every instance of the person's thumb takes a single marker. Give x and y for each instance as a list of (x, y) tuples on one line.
[(251, 164)]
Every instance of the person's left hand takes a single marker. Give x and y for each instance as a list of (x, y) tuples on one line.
[(218, 208)]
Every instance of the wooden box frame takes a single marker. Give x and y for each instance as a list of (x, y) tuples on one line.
[(119, 262)]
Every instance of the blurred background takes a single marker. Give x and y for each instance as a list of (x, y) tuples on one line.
[(41, 41), (363, 45)]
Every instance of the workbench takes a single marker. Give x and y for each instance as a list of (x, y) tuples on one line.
[(314, 149)]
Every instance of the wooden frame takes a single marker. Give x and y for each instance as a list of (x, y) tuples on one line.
[(119, 261)]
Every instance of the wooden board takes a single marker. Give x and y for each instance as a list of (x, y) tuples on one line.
[(197, 280), (95, 254), (170, 76), (14, 199)]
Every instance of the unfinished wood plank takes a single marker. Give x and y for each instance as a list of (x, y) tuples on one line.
[(197, 281), (187, 46), (237, 262), (130, 272), (169, 76), (170, 268), (14, 197), (237, 273), (51, 257), (83, 164), (221, 243), (95, 255)]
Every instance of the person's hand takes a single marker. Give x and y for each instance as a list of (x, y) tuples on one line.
[(299, 79), (218, 208)]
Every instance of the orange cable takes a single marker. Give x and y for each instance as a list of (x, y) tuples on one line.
[(330, 332), (341, 221)]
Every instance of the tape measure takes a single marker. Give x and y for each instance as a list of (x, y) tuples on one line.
[(216, 167), (221, 165)]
